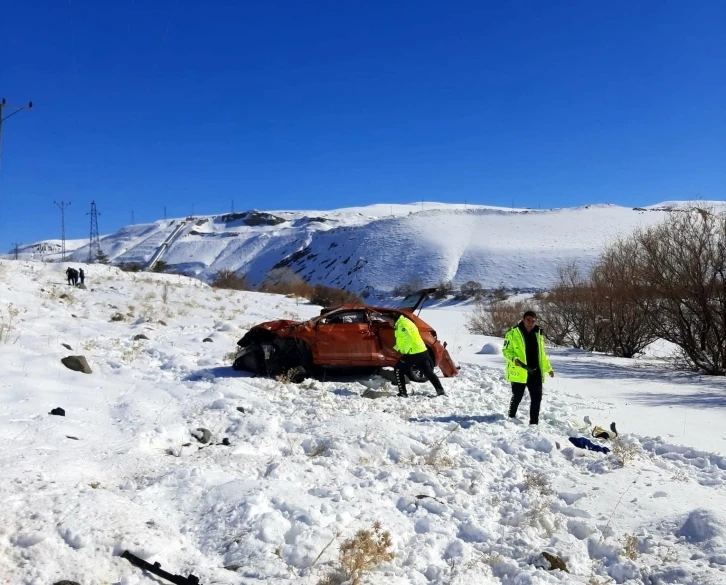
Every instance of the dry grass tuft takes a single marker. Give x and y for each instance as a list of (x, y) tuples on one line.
[(361, 554), (630, 547), (625, 453)]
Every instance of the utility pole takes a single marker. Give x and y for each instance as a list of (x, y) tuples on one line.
[(132, 217), (3, 117), (62, 206), (16, 109), (94, 244), (16, 244)]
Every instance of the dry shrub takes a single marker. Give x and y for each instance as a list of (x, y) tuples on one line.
[(130, 266), (538, 482), (682, 267), (408, 288), (8, 322), (443, 289), (361, 554), (471, 289), (495, 317), (327, 296), (625, 453), (663, 282), (229, 279), (630, 547)]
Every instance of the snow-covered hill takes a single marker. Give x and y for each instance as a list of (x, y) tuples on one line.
[(382, 246), (468, 495)]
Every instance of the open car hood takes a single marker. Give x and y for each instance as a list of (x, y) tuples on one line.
[(413, 301)]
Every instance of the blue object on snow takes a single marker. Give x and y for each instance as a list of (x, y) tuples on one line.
[(584, 443)]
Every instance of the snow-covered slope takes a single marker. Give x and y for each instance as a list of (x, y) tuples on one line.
[(467, 495), (383, 246)]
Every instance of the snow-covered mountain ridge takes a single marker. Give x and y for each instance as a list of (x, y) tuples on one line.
[(382, 246)]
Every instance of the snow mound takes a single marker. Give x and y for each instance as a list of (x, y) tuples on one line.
[(703, 525), (491, 348)]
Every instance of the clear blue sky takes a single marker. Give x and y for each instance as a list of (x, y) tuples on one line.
[(308, 104)]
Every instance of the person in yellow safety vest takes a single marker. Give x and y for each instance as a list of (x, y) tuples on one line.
[(526, 364), (414, 354)]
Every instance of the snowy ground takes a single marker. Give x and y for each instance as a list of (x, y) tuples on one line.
[(467, 495)]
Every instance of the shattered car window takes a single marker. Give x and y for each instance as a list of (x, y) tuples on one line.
[(347, 317), (378, 318)]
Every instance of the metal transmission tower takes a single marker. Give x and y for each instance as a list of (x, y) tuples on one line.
[(16, 244), (94, 244), (62, 206)]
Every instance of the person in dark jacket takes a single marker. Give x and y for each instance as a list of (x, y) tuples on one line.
[(526, 364), (69, 275), (414, 353), (82, 275)]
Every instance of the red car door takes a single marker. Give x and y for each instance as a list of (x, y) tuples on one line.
[(344, 338)]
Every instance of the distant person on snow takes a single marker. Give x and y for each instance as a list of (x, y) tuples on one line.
[(74, 276), (414, 353), (526, 364), (69, 274), (82, 275)]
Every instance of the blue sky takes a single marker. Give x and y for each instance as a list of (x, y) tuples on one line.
[(147, 104)]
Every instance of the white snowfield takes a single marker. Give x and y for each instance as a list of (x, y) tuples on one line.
[(467, 495), (381, 246)]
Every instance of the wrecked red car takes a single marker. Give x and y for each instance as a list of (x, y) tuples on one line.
[(350, 339)]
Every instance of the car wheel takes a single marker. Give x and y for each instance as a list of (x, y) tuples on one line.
[(416, 375)]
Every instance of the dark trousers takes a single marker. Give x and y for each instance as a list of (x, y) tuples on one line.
[(422, 361), (534, 385)]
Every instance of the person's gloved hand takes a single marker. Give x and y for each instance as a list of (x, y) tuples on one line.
[(518, 363), (552, 373)]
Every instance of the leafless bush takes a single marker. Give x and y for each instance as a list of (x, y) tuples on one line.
[(443, 289), (8, 322), (160, 266), (327, 296), (500, 293), (624, 328), (630, 547), (285, 281), (683, 271), (569, 312), (403, 290), (130, 266), (229, 279), (361, 554), (493, 317), (470, 290), (666, 281)]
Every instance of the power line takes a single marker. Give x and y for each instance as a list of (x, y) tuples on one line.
[(62, 206)]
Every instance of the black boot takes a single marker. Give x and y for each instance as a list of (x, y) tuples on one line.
[(401, 383)]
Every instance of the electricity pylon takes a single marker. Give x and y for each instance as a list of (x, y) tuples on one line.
[(94, 244)]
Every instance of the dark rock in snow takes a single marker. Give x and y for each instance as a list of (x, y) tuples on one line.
[(207, 340), (225, 441), (67, 346), (241, 409), (555, 562), (81, 285), (77, 363), (66, 582), (162, 322), (202, 435), (58, 412), (140, 336)]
